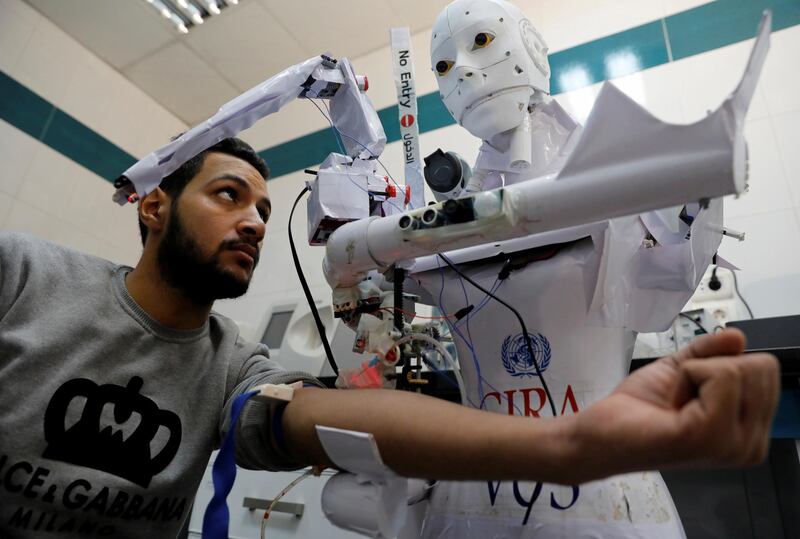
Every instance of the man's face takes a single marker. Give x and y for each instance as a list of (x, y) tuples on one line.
[(213, 236)]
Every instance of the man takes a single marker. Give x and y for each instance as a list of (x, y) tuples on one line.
[(117, 382)]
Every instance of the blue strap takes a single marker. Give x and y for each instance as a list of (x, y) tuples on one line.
[(223, 474)]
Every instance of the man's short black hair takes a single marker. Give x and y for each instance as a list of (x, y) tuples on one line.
[(174, 184)]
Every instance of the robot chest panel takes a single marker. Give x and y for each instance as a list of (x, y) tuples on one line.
[(579, 362)]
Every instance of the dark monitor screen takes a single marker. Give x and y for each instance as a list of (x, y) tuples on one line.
[(276, 329)]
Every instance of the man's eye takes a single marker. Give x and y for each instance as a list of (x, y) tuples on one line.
[(227, 193)]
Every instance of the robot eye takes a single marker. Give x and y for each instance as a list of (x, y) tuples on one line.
[(482, 40), (443, 66)]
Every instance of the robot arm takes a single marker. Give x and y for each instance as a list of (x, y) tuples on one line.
[(318, 77)]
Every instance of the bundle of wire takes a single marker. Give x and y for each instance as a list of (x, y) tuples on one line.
[(468, 341), (521, 321)]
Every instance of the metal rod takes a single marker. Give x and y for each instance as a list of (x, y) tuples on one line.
[(295, 509)]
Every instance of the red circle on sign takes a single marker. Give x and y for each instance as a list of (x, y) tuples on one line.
[(407, 120)]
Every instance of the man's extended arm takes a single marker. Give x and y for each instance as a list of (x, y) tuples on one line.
[(680, 411)]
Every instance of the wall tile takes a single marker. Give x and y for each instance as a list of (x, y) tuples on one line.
[(45, 66), (656, 90), (16, 152), (768, 190), (136, 123), (5, 206), (676, 6), (80, 207), (89, 93), (579, 102), (17, 23), (769, 259), (566, 23), (23, 217), (49, 181), (79, 240), (781, 83), (609, 57), (787, 135), (711, 77), (771, 247)]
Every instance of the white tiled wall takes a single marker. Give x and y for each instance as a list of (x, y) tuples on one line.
[(41, 191)]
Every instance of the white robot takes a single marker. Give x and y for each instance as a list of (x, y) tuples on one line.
[(583, 291), (565, 223)]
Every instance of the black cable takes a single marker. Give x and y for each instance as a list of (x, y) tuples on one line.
[(521, 323), (736, 287), (320, 327), (695, 322), (714, 283), (399, 276)]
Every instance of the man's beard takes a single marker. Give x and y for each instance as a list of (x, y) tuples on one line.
[(201, 280)]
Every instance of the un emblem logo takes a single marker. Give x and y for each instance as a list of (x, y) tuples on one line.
[(518, 361)]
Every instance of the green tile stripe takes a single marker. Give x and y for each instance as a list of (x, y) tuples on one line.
[(725, 22), (22, 108), (45, 122), (645, 43), (701, 29)]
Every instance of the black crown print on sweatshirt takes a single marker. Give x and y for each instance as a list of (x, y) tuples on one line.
[(107, 449)]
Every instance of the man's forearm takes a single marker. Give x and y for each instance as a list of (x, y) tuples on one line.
[(705, 405), (421, 436)]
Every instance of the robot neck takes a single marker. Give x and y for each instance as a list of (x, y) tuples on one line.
[(515, 144)]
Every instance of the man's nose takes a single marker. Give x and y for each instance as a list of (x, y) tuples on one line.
[(252, 226)]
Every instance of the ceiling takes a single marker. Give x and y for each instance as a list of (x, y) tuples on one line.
[(192, 74)]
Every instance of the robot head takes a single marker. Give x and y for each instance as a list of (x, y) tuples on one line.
[(488, 60)]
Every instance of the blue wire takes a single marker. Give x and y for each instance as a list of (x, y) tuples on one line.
[(470, 345), (482, 304)]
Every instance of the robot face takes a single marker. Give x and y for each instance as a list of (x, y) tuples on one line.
[(488, 60)]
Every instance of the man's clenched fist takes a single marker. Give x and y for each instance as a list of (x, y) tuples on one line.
[(706, 405)]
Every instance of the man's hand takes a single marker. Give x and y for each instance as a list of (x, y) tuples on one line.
[(683, 410)]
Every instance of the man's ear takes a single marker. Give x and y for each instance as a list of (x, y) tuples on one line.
[(154, 210)]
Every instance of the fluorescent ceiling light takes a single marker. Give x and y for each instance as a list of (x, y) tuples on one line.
[(212, 6), (191, 11), (184, 14)]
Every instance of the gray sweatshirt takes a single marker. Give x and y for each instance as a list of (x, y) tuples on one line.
[(107, 418)]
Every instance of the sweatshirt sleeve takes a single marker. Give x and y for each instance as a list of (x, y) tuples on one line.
[(13, 269), (258, 440)]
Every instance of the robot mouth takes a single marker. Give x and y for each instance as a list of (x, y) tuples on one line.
[(488, 97)]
